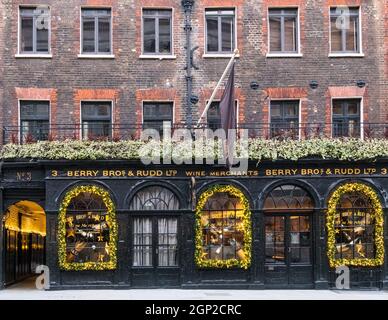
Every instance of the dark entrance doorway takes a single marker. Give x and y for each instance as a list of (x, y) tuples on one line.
[(289, 238), (155, 239), (24, 238)]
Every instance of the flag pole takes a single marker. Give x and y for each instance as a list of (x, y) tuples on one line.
[(235, 53)]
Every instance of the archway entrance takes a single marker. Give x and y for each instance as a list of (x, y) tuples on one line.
[(24, 237)]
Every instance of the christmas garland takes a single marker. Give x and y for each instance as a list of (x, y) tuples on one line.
[(247, 229), (377, 215), (63, 264)]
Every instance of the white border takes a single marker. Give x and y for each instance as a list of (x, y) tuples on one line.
[(33, 55), (299, 112), (91, 55), (19, 113), (157, 101), (220, 55), (112, 122), (157, 56), (297, 54), (361, 98), (347, 54)]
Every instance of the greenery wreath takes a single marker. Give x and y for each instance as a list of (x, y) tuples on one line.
[(247, 229), (378, 216), (111, 217)]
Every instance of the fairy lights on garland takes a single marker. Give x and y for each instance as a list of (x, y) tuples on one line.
[(377, 215), (200, 259), (111, 217)]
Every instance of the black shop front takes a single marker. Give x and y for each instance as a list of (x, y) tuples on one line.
[(121, 224)]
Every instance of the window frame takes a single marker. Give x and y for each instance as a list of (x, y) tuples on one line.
[(299, 113), (220, 54), (34, 53), (158, 55), (155, 245), (96, 54), (339, 54), (281, 54), (112, 109), (20, 101), (361, 111), (172, 102)]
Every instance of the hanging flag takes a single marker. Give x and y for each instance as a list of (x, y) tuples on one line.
[(228, 117), (227, 105)]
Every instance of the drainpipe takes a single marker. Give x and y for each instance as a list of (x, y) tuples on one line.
[(188, 8)]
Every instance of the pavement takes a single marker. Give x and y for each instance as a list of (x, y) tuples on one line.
[(27, 291)]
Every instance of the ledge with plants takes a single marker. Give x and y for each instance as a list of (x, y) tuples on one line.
[(258, 150)]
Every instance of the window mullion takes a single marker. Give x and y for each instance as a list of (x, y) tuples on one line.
[(343, 40), (219, 34), (96, 49), (157, 50), (282, 31), (34, 34)]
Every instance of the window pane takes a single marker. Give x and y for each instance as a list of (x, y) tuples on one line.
[(275, 110), (212, 34), (42, 40), (351, 35), (227, 34), (290, 34), (354, 227), (336, 36), (96, 129), (104, 35), (275, 34), (142, 242), (274, 240), (167, 242), (337, 108), (353, 108), (34, 110), (27, 35), (222, 228), (149, 35), (87, 230), (164, 36), (96, 110), (88, 44)]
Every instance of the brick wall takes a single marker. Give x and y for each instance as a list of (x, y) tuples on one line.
[(129, 77)]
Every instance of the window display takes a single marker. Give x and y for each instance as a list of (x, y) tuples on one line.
[(355, 227), (87, 230), (223, 228)]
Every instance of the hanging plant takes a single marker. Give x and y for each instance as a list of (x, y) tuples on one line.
[(246, 229), (376, 215), (111, 217)]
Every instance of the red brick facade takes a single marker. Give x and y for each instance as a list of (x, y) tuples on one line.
[(127, 78)]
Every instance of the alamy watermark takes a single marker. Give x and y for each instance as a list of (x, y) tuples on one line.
[(196, 146), (42, 282), (342, 281)]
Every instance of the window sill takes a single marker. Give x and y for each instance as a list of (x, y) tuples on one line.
[(284, 55), (157, 57), (219, 55), (34, 56), (96, 56), (346, 55)]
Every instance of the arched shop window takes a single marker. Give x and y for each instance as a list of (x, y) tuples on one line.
[(355, 227), (87, 230), (155, 237), (223, 228), (288, 197)]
